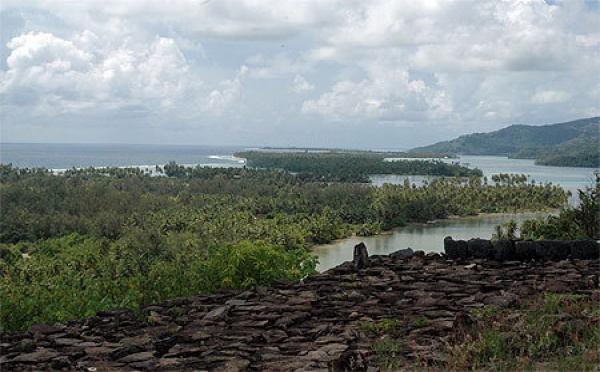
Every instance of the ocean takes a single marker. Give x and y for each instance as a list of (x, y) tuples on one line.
[(66, 156)]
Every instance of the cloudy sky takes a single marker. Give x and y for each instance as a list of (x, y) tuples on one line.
[(344, 73)]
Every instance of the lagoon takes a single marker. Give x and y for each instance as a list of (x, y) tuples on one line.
[(426, 237), (430, 237)]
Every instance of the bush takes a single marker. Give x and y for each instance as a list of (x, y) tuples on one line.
[(246, 264)]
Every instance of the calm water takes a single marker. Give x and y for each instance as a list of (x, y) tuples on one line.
[(64, 156), (425, 237), (430, 237), (568, 178)]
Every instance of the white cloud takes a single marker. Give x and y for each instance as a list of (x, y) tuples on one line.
[(455, 65), (64, 76), (301, 85), (388, 94), (219, 100)]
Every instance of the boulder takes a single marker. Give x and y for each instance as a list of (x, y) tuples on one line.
[(408, 252), (480, 248), (525, 250), (504, 250), (585, 249), (455, 249), (361, 256), (552, 250)]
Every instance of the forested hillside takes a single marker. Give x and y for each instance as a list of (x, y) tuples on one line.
[(574, 143)]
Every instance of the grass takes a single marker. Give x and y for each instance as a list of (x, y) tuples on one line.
[(556, 332)]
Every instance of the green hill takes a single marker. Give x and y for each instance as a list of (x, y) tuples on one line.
[(574, 143)]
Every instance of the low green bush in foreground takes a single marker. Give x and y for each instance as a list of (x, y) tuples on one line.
[(76, 276)]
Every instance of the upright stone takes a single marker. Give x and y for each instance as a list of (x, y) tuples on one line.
[(553, 250), (480, 248), (455, 249), (361, 256), (525, 250), (585, 249), (504, 250)]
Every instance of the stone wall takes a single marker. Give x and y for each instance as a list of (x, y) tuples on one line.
[(319, 324), (522, 250)]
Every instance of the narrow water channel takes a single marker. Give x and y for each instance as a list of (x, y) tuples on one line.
[(425, 237), (430, 237)]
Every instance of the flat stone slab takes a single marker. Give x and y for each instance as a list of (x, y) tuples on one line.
[(318, 324)]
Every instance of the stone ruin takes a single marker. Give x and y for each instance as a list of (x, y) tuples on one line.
[(521, 250), (321, 323)]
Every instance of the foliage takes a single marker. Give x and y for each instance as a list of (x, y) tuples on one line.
[(582, 221), (75, 276), (350, 166), (555, 329), (107, 238), (245, 265), (507, 230)]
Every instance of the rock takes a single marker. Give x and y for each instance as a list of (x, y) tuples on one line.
[(506, 299), (419, 254), (525, 250), (100, 351), (328, 352), (217, 314), (585, 249), (67, 341), (274, 336), (402, 253), (554, 250), (361, 256), (39, 356), (433, 256), (480, 248), (455, 249), (504, 250), (236, 365), (137, 357), (43, 329)]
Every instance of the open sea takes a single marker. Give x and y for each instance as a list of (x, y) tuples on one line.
[(65, 156)]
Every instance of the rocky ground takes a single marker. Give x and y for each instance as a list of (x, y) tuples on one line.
[(324, 323)]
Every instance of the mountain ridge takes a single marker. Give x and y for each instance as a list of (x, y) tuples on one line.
[(573, 143)]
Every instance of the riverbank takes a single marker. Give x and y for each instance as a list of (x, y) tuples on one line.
[(418, 236), (416, 312)]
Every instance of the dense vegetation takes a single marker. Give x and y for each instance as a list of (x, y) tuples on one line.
[(581, 221), (335, 166), (97, 239), (581, 152), (573, 144)]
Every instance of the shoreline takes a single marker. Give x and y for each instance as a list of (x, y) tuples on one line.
[(418, 236), (480, 216)]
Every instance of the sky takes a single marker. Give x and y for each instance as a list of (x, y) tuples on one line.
[(375, 74)]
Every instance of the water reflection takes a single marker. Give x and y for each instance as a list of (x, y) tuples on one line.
[(430, 238), (426, 237)]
